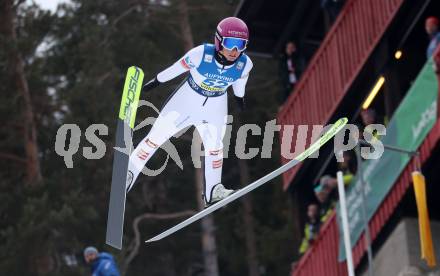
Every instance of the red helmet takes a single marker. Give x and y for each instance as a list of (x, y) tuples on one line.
[(230, 27)]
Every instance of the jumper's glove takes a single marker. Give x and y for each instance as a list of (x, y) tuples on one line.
[(150, 85), (240, 103)]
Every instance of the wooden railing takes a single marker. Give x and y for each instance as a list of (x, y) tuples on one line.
[(322, 257), (336, 64)]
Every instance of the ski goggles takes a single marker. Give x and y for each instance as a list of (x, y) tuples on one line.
[(229, 43)]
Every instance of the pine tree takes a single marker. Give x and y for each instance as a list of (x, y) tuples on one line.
[(76, 77)]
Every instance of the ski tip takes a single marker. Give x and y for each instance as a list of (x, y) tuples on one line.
[(152, 240), (342, 121), (116, 246)]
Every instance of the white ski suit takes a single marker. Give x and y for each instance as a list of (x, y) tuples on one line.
[(200, 101)]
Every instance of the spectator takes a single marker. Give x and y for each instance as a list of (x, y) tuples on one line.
[(102, 264), (368, 117), (324, 194), (347, 167), (289, 69), (431, 27), (311, 229)]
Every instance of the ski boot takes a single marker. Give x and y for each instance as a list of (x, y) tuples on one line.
[(218, 193)]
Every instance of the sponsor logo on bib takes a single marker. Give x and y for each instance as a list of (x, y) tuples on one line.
[(208, 58)]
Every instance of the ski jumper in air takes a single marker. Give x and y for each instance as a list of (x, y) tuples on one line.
[(201, 101)]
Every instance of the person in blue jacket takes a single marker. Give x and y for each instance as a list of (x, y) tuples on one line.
[(102, 264)]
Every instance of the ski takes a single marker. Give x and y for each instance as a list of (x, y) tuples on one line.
[(123, 146), (335, 128)]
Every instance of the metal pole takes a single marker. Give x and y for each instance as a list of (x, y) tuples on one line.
[(345, 228), (364, 211), (411, 153)]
